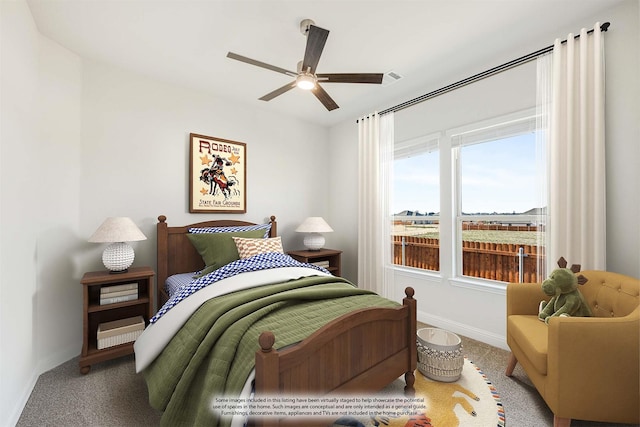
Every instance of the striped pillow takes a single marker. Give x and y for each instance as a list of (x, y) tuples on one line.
[(250, 247)]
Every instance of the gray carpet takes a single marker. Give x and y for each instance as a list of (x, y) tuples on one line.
[(113, 395)]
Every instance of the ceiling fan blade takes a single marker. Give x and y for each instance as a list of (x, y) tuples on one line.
[(316, 38), (260, 64), (351, 78), (324, 97), (279, 91)]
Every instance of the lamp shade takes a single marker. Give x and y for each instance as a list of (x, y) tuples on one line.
[(117, 229), (118, 256), (313, 226)]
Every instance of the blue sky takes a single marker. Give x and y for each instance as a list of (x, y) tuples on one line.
[(498, 176)]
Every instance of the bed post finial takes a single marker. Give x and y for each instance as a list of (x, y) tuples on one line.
[(409, 292), (267, 366), (266, 341), (274, 226), (162, 218)]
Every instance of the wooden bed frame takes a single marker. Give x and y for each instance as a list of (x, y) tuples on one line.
[(362, 351), (176, 254)]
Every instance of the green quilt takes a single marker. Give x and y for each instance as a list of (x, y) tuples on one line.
[(214, 352)]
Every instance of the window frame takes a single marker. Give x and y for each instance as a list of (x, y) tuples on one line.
[(450, 217), (407, 148)]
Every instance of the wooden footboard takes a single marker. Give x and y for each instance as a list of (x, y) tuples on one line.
[(363, 351)]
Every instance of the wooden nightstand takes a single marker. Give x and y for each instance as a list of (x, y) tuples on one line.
[(321, 256), (94, 313)]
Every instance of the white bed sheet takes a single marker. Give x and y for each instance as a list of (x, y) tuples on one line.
[(157, 335)]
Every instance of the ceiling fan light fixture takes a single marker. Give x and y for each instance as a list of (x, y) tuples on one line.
[(306, 81), (305, 76)]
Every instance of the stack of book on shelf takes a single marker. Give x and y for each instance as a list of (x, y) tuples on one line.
[(119, 331), (324, 264), (118, 293)]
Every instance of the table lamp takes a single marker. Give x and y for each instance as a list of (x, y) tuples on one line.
[(118, 256), (313, 226)]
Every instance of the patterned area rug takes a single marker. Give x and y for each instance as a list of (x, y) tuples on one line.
[(471, 401)]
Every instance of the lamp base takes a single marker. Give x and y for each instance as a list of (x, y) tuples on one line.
[(314, 241), (118, 257)]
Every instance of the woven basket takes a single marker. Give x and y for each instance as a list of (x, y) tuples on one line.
[(439, 354)]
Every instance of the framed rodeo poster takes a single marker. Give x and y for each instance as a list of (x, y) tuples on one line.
[(217, 175)]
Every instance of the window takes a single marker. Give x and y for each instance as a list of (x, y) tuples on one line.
[(494, 188), (416, 203)]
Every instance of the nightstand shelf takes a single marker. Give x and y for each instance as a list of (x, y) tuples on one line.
[(332, 256), (94, 313), (93, 308)]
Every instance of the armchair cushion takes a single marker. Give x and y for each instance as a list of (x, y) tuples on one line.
[(531, 333)]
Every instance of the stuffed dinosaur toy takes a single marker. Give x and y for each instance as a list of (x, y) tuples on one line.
[(566, 299)]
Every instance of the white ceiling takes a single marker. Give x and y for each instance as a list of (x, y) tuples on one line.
[(430, 43)]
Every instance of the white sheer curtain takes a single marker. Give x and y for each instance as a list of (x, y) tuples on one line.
[(544, 69), (375, 154), (577, 203)]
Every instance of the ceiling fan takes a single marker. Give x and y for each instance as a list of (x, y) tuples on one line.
[(306, 76)]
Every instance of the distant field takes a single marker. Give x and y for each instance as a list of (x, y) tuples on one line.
[(490, 236)]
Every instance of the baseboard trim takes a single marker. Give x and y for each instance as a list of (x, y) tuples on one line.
[(13, 418), (58, 358), (43, 366), (468, 331)]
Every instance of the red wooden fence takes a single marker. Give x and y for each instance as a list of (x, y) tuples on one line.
[(495, 261)]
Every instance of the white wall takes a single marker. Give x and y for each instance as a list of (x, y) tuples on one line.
[(59, 104), (135, 141), (343, 216), (18, 138), (622, 55), (81, 141), (481, 314), (39, 169)]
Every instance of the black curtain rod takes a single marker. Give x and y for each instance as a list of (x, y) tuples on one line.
[(495, 70)]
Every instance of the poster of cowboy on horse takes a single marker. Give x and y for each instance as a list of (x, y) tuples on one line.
[(217, 175)]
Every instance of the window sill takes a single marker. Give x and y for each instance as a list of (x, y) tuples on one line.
[(477, 284), (491, 286), (416, 272)]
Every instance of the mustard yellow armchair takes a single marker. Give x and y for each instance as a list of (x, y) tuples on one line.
[(585, 368)]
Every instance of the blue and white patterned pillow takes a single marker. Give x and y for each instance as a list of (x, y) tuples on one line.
[(233, 228)]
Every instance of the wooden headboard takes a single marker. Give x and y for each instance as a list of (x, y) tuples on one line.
[(176, 254)]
